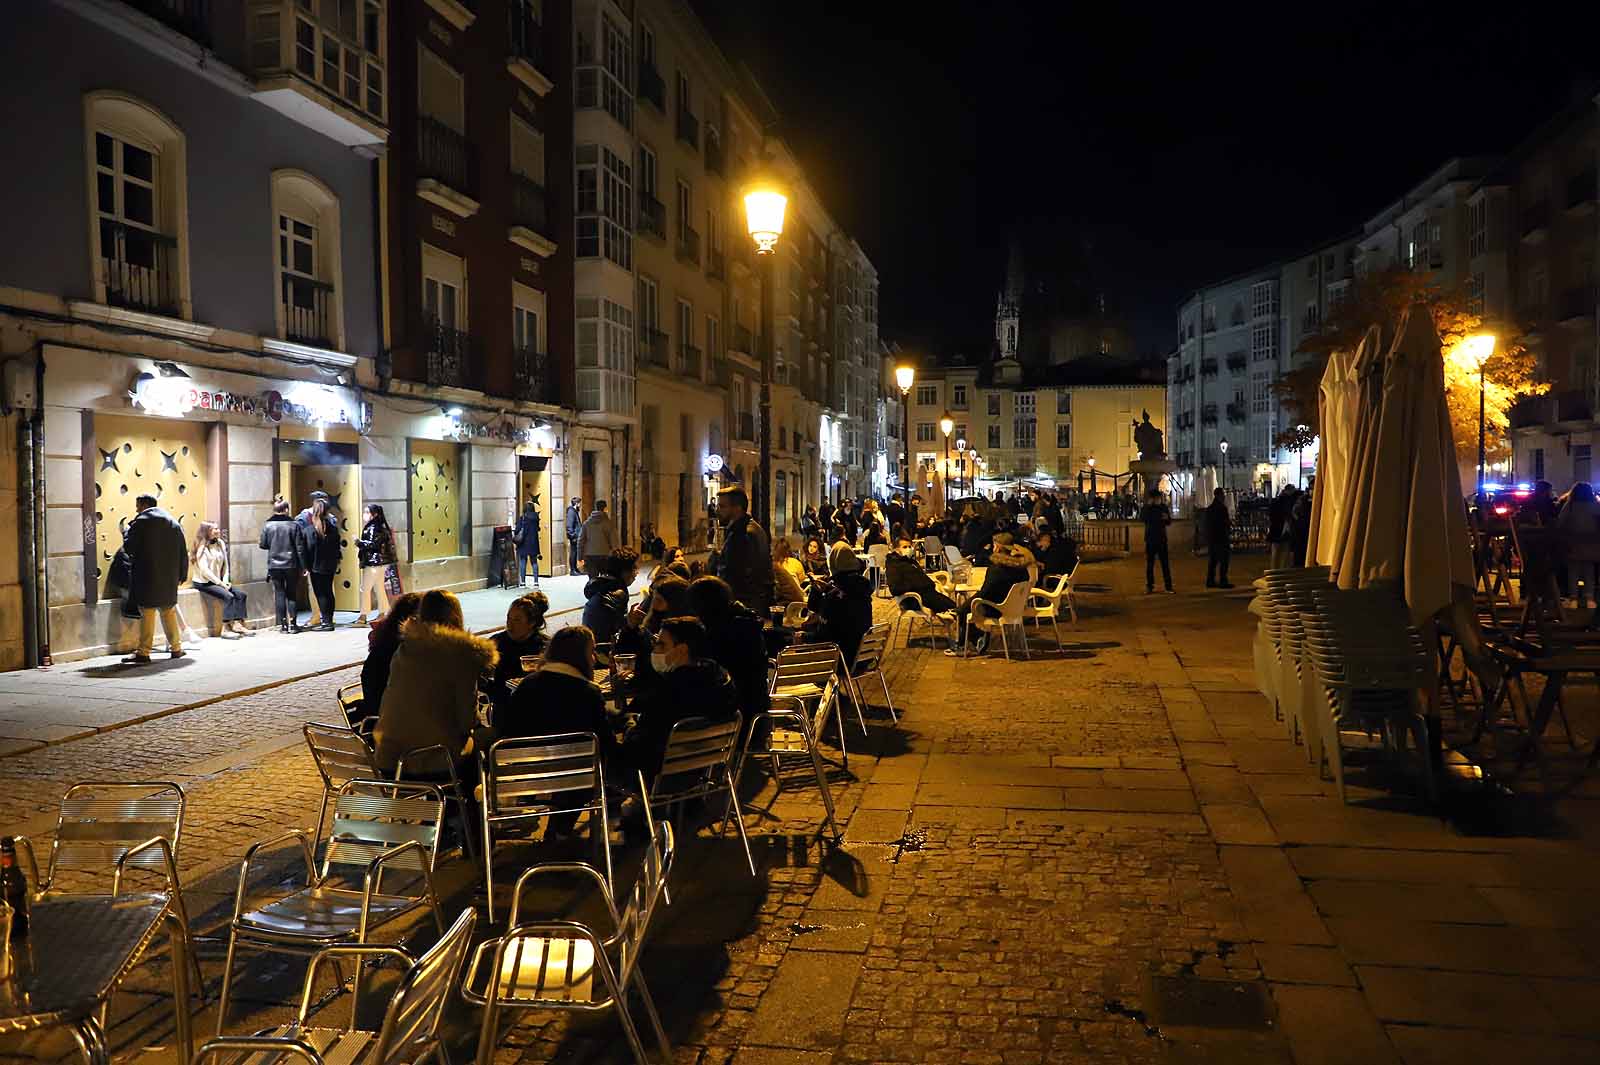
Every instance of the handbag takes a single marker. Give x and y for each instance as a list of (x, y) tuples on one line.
[(391, 572)]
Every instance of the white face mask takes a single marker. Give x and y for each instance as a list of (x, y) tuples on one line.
[(658, 662)]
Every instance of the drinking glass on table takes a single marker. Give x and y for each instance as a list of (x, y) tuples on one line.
[(622, 665), (531, 663)]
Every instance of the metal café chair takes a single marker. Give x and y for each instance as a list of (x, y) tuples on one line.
[(105, 828), (529, 778), (698, 764), (341, 755), (868, 663), (410, 1029), (453, 790), (553, 964), (803, 670), (914, 610), (792, 731), (361, 718), (379, 826)]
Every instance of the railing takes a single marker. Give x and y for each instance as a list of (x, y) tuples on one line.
[(140, 268), (743, 339), (531, 377), (715, 162), (652, 216), (192, 18), (1236, 413), (307, 310), (529, 204), (652, 88), (453, 355), (1208, 414), (653, 349), (446, 156), (716, 265), (689, 360), (721, 373), (688, 245), (688, 127), (1208, 367), (1102, 533), (1535, 218), (745, 426), (526, 35), (1236, 361)]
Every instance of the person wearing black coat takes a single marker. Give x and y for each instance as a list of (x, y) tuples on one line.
[(382, 642), (526, 537), (975, 536), (842, 611), (735, 640), (745, 558), (686, 683), (906, 576), (1219, 547), (1057, 554), (158, 560), (286, 560), (605, 595), (320, 534), (374, 556)]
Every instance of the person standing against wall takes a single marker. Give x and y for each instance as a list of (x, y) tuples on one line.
[(209, 560), (574, 532), (159, 562), (375, 552), (281, 540)]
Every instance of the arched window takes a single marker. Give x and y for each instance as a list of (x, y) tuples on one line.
[(138, 222), (305, 227), (1011, 338)]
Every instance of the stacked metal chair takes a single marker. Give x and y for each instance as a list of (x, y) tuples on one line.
[(1278, 669)]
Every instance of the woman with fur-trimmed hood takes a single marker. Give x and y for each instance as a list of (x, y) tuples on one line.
[(1008, 565), (432, 697)]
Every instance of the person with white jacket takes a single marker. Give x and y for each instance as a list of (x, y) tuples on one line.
[(209, 573)]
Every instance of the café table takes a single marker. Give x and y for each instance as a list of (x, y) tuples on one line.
[(78, 950)]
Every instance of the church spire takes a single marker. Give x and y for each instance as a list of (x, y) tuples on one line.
[(1008, 309)]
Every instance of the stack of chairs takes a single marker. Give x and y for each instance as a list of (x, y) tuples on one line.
[(1279, 673)]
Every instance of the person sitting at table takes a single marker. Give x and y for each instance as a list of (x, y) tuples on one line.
[(668, 598), (523, 635), (1008, 565), (735, 640), (874, 534), (382, 642), (815, 560), (904, 575), (788, 575), (841, 612), (975, 536), (432, 695), (606, 594), (1057, 553), (685, 682)]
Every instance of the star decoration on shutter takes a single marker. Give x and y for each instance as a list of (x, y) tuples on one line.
[(169, 461), (108, 459)]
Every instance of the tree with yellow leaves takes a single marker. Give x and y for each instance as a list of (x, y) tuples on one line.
[(1509, 374)]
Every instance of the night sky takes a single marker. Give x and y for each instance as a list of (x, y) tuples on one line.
[(1178, 144)]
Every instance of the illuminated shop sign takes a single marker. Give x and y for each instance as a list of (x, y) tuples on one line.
[(712, 464), (171, 393)]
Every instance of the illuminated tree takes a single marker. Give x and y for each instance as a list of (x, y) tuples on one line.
[(1509, 374)]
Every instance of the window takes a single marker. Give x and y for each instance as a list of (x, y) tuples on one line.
[(342, 50), (527, 319), (1478, 226), (604, 355), (685, 205), (993, 437), (958, 396), (1264, 343), (1063, 434), (608, 82), (685, 330), (713, 337), (927, 395), (647, 173), (1263, 299), (441, 94), (1024, 430), (307, 221), (444, 283), (527, 151), (604, 206), (1475, 293), (685, 99), (994, 405), (139, 226), (1538, 464), (1580, 462), (1260, 391), (686, 431), (713, 232), (1063, 401), (926, 432)]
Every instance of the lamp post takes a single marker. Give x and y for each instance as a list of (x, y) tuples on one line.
[(1093, 490), (961, 464), (764, 204), (905, 375), (1300, 432), (1222, 445), (1477, 350), (947, 425)]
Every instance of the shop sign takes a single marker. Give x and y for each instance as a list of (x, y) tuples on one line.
[(505, 432), (176, 396), (712, 464)]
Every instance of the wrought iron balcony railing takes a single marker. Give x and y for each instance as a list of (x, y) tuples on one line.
[(446, 156), (532, 376), (653, 349), (529, 204), (307, 310), (652, 216), (453, 355), (140, 267), (688, 245), (652, 89)]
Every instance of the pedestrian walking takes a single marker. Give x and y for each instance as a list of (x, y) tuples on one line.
[(1156, 517), (375, 554), (158, 561), (208, 563), (574, 532), (285, 548), (1219, 540), (526, 536), (745, 559), (597, 539), (320, 534)]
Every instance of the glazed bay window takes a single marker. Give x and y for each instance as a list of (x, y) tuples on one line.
[(335, 45), (605, 206), (604, 76), (605, 356)]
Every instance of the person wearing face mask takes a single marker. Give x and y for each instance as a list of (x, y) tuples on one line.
[(668, 598), (685, 683)]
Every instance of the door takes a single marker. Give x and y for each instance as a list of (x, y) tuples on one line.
[(590, 462), (343, 485), (533, 482)]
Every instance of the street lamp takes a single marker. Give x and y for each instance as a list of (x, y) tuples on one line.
[(905, 375), (1222, 445), (764, 204), (1475, 350), (961, 464), (947, 425), (1300, 432)]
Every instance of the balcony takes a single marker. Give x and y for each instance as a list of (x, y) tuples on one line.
[(320, 74), (688, 127), (1208, 414), (715, 161), (716, 265), (453, 356), (652, 216), (652, 88), (1236, 413), (532, 376), (1208, 367), (530, 216), (689, 361), (140, 268), (307, 310), (459, 13), (688, 249), (721, 373), (192, 18), (744, 427), (653, 349), (1536, 221), (1581, 192), (743, 340), (1236, 361), (447, 168), (1576, 306), (526, 59)]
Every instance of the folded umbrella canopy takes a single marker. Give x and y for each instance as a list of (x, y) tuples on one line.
[(1336, 407)]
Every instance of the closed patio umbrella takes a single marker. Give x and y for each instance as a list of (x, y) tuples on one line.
[(1337, 406)]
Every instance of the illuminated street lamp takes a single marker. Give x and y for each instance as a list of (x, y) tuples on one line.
[(961, 464), (764, 205), (1093, 490), (1223, 446), (1300, 432), (947, 425), (1475, 351), (905, 375)]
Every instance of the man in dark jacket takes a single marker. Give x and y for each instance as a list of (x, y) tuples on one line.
[(686, 683), (745, 559), (159, 562), (1219, 547), (526, 537), (1057, 554), (1156, 518), (574, 530), (1278, 512), (286, 560), (605, 596), (841, 607), (734, 640), (906, 576)]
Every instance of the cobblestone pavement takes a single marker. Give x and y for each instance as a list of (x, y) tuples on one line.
[(1106, 854)]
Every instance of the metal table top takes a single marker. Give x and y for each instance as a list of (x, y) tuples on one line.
[(79, 948)]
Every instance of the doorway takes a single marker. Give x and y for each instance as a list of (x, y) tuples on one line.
[(590, 491), (533, 482), (306, 466)]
